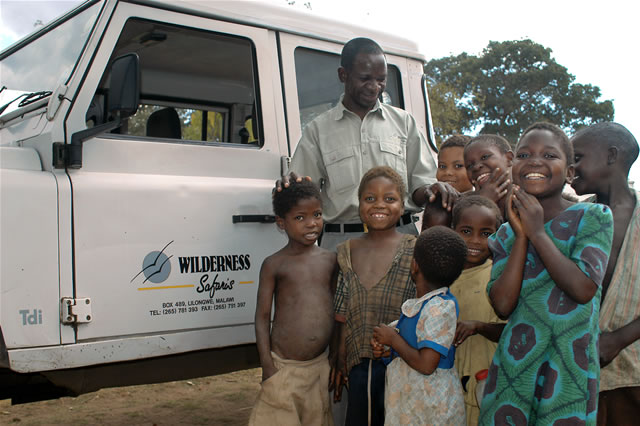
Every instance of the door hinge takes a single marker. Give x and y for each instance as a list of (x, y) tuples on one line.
[(75, 311)]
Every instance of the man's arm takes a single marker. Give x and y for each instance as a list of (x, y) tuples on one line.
[(266, 289), (307, 160), (421, 170)]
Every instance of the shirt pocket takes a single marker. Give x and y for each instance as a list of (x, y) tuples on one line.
[(394, 154), (342, 169)]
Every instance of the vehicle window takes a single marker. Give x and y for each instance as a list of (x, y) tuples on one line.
[(319, 88), (197, 86), (47, 61)]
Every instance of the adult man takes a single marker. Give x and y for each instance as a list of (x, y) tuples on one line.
[(341, 145), (604, 154)]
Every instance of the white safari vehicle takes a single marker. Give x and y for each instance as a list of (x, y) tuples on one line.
[(139, 143)]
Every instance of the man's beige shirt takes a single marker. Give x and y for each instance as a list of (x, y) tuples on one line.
[(337, 149)]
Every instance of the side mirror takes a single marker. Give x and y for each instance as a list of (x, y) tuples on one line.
[(124, 93), (124, 97)]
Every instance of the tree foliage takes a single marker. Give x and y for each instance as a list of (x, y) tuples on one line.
[(191, 120), (511, 85)]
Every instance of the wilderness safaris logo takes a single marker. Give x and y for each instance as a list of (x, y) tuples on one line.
[(156, 266), (212, 273)]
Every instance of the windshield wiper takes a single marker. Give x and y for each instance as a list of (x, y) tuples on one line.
[(29, 98)]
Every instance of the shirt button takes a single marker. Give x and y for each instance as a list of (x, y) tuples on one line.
[(364, 153)]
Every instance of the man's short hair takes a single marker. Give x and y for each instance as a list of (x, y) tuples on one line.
[(470, 199), (560, 135), (440, 254), (455, 141), (355, 46), (496, 140), (613, 134), (285, 200), (383, 171)]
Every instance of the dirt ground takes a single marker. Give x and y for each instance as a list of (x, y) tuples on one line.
[(216, 400)]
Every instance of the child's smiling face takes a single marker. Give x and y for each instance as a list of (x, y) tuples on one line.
[(474, 225), (451, 168), (591, 168), (381, 204), (481, 158), (541, 166)]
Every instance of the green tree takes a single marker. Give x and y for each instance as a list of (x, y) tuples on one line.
[(511, 85), (193, 128)]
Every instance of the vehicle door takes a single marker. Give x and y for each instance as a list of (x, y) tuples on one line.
[(172, 211)]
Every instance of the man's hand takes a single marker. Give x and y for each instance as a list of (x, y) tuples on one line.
[(285, 180), (427, 194)]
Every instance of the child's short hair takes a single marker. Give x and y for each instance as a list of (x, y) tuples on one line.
[(455, 141), (434, 209), (285, 200), (496, 140), (566, 146), (613, 134), (468, 200), (382, 171), (440, 254)]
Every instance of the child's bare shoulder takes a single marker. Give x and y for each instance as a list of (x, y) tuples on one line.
[(273, 263), (330, 256)]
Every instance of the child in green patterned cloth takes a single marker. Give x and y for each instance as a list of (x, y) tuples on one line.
[(548, 264)]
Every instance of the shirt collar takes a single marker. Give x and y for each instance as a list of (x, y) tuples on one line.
[(340, 110), (411, 307)]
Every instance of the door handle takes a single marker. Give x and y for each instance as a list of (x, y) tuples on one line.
[(253, 218)]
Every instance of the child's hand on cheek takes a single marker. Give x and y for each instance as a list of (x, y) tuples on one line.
[(384, 334), (496, 187), (513, 215), (530, 212)]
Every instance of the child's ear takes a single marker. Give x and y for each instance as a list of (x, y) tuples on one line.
[(280, 222), (612, 155), (414, 270), (571, 172), (509, 156)]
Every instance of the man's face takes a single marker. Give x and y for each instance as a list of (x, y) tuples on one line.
[(364, 83), (590, 164)]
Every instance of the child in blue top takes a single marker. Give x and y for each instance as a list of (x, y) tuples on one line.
[(423, 388)]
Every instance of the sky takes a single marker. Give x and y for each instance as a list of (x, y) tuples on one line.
[(597, 42)]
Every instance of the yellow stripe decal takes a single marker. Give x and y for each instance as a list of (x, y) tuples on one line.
[(245, 282), (166, 287)]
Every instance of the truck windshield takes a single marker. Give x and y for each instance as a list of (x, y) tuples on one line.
[(48, 60)]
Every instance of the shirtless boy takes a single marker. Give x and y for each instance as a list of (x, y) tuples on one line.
[(604, 154), (301, 277)]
